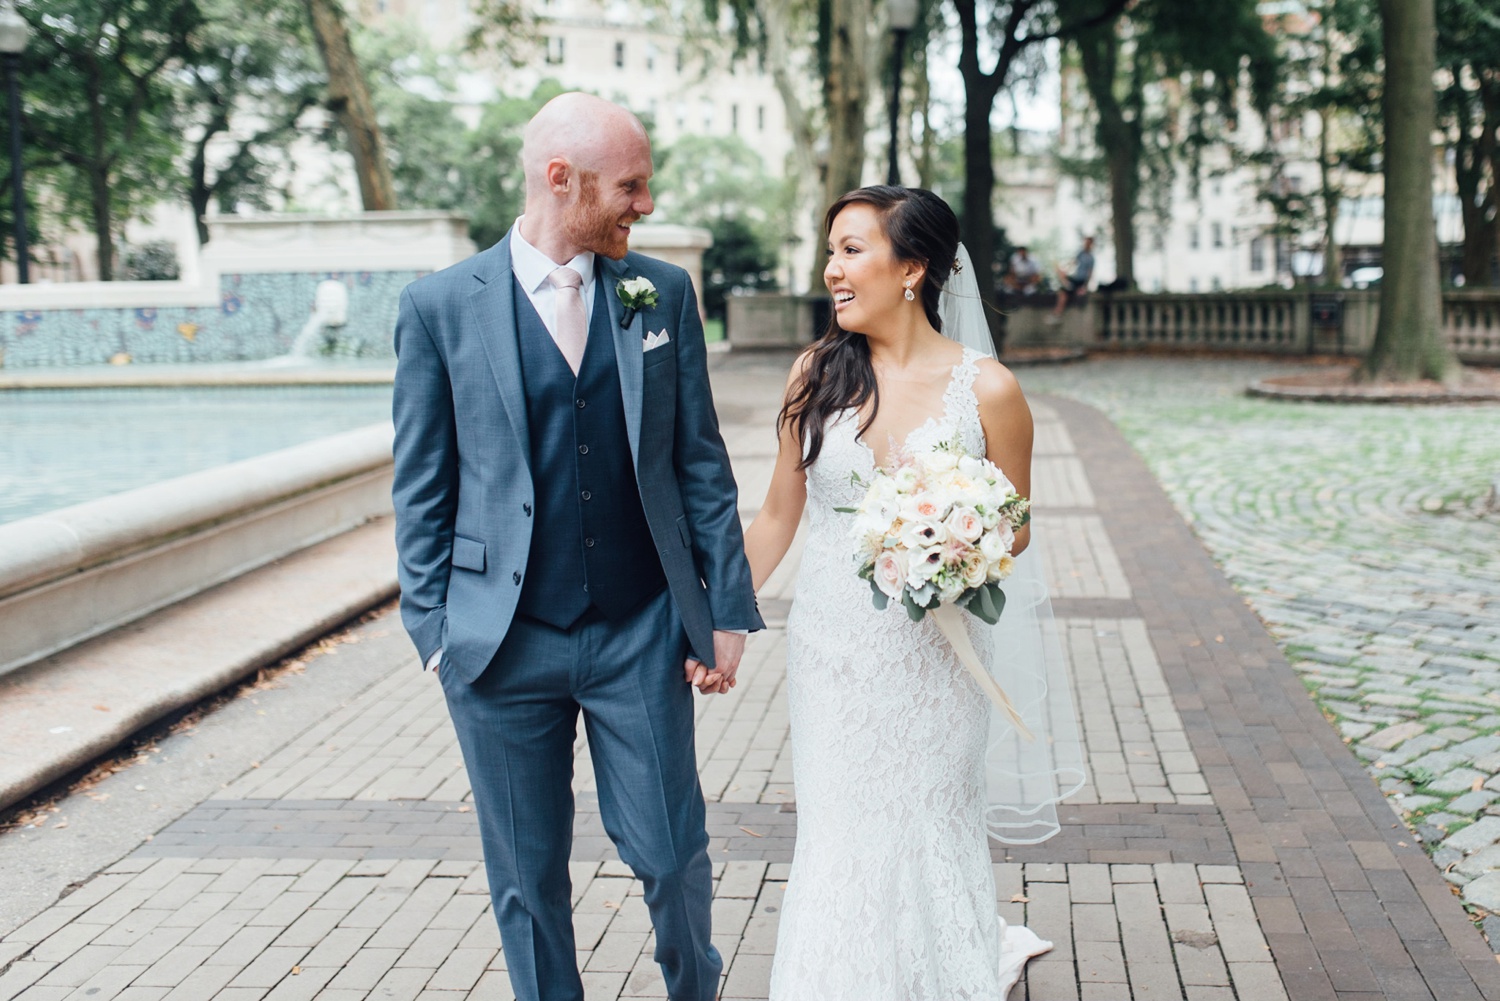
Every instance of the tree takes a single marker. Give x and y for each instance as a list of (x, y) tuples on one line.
[(1408, 338), (1331, 71), (249, 78), (1468, 53), (719, 183), (1196, 45), (99, 100), (349, 100), (1013, 29)]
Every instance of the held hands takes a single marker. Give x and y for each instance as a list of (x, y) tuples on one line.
[(728, 649)]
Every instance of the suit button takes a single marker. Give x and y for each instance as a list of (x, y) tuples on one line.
[(580, 404), (583, 450), (527, 509), (516, 577), (589, 543), (586, 495)]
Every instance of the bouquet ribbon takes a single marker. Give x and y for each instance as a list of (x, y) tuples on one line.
[(951, 622)]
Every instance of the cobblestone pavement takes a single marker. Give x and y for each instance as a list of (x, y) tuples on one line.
[(1228, 847), (1364, 537)]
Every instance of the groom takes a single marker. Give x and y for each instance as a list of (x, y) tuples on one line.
[(569, 541)]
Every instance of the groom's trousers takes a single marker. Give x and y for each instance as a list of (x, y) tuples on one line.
[(516, 725)]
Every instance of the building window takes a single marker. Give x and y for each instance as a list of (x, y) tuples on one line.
[(707, 108), (1258, 254), (760, 118), (1192, 236), (1192, 284), (679, 59), (554, 49), (650, 56), (1217, 231), (681, 110), (619, 55), (734, 118)]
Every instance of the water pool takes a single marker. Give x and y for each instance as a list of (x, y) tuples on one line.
[(62, 447)]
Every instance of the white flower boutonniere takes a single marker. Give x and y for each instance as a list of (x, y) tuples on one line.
[(637, 294)]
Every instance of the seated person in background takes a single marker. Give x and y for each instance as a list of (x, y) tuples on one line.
[(1074, 281), (1024, 275)]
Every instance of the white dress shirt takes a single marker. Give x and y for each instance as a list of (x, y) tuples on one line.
[(533, 268)]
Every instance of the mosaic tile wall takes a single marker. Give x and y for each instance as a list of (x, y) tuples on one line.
[(258, 316)]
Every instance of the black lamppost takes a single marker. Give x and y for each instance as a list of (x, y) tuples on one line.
[(14, 32), (903, 14)]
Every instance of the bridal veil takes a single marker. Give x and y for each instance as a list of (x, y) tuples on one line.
[(1024, 778)]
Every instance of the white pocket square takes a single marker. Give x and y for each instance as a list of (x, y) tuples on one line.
[(654, 341)]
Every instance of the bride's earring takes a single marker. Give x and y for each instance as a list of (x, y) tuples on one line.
[(909, 294)]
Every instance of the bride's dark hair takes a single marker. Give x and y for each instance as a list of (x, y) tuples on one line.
[(837, 374)]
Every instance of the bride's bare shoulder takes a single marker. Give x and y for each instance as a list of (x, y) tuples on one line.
[(996, 385)]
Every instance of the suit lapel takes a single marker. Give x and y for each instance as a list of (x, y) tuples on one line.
[(628, 356), (493, 308)]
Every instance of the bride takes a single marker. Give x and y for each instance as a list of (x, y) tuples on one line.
[(902, 770)]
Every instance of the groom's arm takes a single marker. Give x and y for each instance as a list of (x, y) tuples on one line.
[(425, 489), (709, 496)]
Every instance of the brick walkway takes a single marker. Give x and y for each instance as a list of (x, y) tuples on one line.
[(1229, 846)]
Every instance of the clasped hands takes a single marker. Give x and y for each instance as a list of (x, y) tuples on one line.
[(729, 647)]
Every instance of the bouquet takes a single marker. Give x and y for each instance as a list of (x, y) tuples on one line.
[(935, 532)]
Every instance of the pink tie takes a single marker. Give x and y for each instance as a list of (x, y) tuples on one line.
[(570, 330)]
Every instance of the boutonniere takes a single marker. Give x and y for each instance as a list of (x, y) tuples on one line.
[(637, 294)]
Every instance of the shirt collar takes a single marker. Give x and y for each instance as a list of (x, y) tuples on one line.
[(533, 267)]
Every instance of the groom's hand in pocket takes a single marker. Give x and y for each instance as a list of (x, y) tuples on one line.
[(729, 647)]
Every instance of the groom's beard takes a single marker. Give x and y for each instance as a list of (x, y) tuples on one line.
[(592, 227)]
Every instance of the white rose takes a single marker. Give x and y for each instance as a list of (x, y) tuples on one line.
[(940, 461), (635, 287), (890, 572), (964, 523), (905, 479), (925, 506), (1001, 568), (997, 542), (976, 570), (971, 467)]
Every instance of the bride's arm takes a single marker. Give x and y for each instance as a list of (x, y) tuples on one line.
[(1008, 430), (770, 534)]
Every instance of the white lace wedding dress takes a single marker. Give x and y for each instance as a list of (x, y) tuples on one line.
[(891, 896)]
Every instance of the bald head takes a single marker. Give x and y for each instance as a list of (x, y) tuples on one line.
[(588, 174), (587, 131)]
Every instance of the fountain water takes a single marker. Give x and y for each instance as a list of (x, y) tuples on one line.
[(330, 310)]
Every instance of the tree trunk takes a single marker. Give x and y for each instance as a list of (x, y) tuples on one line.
[(846, 95), (200, 192), (1118, 137), (776, 19), (1408, 339), (1331, 195), (349, 100), (97, 170)]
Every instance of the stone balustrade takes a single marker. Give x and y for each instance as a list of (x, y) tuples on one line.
[(1275, 321)]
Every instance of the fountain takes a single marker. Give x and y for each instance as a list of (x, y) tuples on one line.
[(330, 310)]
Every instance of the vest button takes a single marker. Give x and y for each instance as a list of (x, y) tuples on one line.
[(589, 543), (583, 450), (586, 495), (580, 404)]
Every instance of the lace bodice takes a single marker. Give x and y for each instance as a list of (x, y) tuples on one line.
[(891, 896)]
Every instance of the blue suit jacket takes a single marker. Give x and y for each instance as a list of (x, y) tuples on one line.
[(463, 490)]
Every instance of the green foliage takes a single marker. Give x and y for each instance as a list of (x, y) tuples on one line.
[(154, 261), (719, 182), (250, 75), (99, 105)]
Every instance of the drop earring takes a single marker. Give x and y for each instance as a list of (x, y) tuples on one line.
[(909, 295)]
